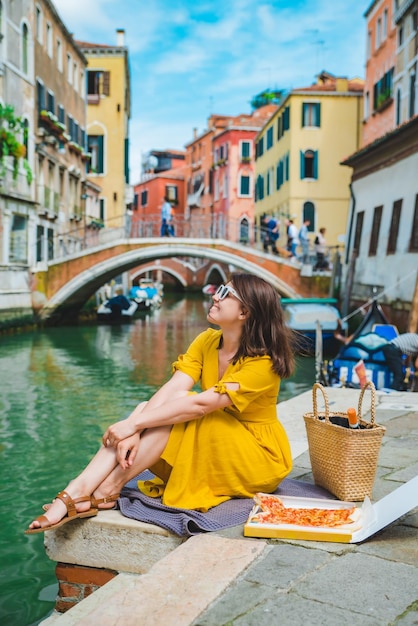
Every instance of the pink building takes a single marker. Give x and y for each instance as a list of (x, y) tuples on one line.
[(379, 108), (220, 176)]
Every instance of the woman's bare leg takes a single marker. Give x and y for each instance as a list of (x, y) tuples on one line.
[(103, 476)]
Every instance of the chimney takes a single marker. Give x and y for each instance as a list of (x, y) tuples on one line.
[(120, 37), (341, 84), (194, 133)]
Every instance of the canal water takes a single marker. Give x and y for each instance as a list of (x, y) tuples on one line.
[(60, 388)]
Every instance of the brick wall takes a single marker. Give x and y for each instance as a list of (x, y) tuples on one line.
[(76, 582)]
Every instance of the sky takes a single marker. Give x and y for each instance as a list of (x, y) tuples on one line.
[(192, 58)]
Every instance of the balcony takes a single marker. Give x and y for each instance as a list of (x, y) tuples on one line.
[(93, 98)]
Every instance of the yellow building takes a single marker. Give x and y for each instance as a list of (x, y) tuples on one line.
[(108, 114), (299, 151)]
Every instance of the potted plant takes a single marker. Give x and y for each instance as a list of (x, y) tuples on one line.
[(11, 127)]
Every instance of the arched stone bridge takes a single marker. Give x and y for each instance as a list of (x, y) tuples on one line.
[(67, 284)]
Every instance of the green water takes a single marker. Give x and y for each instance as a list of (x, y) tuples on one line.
[(59, 390)]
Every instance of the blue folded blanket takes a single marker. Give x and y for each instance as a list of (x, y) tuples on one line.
[(185, 522)]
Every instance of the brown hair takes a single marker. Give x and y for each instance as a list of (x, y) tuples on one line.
[(265, 331)]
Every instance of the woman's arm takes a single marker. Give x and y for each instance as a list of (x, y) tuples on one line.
[(177, 407), (179, 381)]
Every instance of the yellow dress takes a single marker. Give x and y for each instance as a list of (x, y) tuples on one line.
[(232, 452)]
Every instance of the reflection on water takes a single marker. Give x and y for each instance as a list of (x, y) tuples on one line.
[(60, 389)]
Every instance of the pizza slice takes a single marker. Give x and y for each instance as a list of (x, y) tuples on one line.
[(273, 511)]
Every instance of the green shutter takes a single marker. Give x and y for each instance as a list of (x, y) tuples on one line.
[(318, 114), (100, 156), (302, 164), (315, 164)]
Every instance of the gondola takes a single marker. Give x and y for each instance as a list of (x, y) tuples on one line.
[(364, 345)]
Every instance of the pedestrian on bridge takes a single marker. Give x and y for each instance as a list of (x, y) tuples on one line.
[(271, 232), (203, 447), (167, 227), (304, 240)]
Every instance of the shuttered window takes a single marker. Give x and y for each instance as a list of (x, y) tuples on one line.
[(374, 236), (394, 227)]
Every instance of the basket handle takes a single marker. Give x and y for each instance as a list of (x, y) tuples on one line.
[(315, 388), (368, 385)]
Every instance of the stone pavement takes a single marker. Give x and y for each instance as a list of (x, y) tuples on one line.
[(224, 579)]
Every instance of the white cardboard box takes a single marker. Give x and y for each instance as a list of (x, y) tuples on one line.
[(372, 517)]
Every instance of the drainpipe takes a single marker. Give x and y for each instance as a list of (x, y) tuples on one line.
[(350, 226), (349, 271)]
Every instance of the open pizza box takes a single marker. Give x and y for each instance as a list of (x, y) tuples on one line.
[(367, 518)]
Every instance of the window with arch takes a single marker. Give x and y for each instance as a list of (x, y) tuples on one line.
[(244, 230), (309, 214), (25, 49), (59, 55), (49, 44), (309, 164), (39, 24)]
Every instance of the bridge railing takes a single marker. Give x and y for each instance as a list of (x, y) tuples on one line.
[(82, 237)]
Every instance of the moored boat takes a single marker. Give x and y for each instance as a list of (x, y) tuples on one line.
[(147, 295), (116, 309), (366, 346), (308, 315)]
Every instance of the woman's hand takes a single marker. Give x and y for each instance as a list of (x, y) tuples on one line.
[(126, 451), (117, 432)]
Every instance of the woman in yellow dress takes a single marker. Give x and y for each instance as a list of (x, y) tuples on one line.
[(207, 447)]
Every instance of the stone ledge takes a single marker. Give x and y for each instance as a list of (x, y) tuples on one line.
[(110, 541), (174, 592)]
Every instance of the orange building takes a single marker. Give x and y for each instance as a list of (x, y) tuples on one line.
[(379, 108), (198, 212), (163, 177)]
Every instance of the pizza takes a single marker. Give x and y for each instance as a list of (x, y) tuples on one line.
[(271, 510)]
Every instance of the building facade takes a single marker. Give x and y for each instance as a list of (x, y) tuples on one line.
[(405, 80), (299, 152), (382, 250), (108, 115), (382, 241), (162, 177), (60, 136), (17, 191), (233, 175), (379, 104)]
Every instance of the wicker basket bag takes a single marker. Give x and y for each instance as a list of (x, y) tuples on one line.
[(343, 460)]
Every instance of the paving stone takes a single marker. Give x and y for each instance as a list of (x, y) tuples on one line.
[(409, 618), (405, 474), (395, 456), (239, 600), (291, 610), (358, 582), (403, 426), (284, 565), (397, 543)]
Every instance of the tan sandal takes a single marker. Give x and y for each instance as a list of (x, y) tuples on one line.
[(72, 514), (94, 502)]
